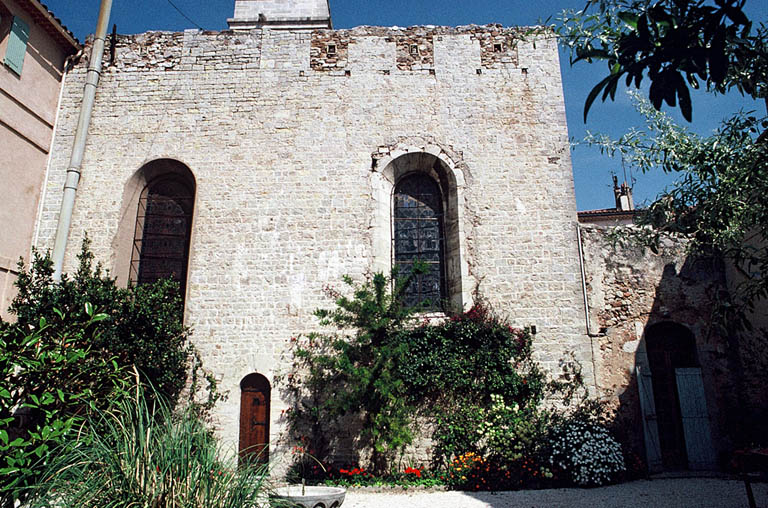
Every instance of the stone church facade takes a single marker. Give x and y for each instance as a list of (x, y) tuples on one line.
[(288, 141)]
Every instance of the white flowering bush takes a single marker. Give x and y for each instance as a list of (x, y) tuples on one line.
[(586, 453), (508, 433)]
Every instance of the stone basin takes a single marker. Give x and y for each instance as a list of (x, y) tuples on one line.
[(314, 496)]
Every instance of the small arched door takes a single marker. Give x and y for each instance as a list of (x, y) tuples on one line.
[(254, 418)]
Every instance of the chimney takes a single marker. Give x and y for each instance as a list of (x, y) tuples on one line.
[(281, 14), (623, 195)]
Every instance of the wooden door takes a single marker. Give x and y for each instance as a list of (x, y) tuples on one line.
[(650, 426), (670, 346), (254, 418), (693, 409)]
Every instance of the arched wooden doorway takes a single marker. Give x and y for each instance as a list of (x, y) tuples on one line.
[(670, 346), (254, 418), (684, 439)]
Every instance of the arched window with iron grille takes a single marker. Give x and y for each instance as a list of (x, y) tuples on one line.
[(418, 235), (163, 229)]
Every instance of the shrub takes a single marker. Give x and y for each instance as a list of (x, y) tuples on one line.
[(142, 326), (73, 343), (586, 453), (50, 379), (139, 454), (470, 471), (462, 368), (357, 373), (388, 370), (474, 353), (472, 376)]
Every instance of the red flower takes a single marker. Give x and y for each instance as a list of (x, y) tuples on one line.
[(413, 471)]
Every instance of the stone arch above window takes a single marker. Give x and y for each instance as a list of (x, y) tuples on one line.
[(430, 161), (154, 235)]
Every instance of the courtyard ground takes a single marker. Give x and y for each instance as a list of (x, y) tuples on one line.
[(661, 493)]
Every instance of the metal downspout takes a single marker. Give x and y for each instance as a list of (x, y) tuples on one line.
[(586, 305), (583, 280), (78, 147)]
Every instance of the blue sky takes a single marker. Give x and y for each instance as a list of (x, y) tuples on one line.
[(592, 171)]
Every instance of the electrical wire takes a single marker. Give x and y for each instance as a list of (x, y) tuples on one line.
[(185, 16)]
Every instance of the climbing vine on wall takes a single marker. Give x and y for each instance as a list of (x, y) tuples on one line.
[(383, 368)]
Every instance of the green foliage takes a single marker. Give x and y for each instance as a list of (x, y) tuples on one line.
[(50, 379), (357, 373), (388, 371), (140, 454), (675, 42), (471, 377), (718, 200), (472, 354), (478, 376), (73, 346), (142, 325)]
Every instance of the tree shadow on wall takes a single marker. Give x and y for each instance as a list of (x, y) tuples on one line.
[(682, 407), (684, 411)]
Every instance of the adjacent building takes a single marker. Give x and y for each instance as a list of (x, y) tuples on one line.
[(34, 48)]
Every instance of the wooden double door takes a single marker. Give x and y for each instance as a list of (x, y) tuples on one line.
[(673, 400)]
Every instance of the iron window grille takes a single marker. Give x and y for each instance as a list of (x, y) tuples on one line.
[(162, 233), (418, 235)]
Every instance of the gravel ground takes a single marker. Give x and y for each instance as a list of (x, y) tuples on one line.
[(662, 493)]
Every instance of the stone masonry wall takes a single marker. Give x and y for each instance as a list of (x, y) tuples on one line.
[(280, 140), (631, 288)]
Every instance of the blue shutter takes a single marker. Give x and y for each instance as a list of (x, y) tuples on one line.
[(693, 409), (650, 423), (17, 45)]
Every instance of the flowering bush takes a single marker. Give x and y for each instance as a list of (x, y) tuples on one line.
[(412, 471), (472, 377), (355, 476), (470, 471), (465, 470), (509, 433), (586, 453)]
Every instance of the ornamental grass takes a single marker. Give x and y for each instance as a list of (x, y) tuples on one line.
[(140, 454)]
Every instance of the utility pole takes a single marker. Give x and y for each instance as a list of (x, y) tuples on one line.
[(78, 147)]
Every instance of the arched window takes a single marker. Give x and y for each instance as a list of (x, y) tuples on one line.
[(418, 235), (163, 229)]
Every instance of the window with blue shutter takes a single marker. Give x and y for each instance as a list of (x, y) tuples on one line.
[(17, 45)]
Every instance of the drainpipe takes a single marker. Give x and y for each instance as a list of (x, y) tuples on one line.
[(78, 147), (586, 306), (583, 279)]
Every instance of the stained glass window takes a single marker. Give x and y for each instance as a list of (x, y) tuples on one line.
[(418, 234), (163, 226)]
